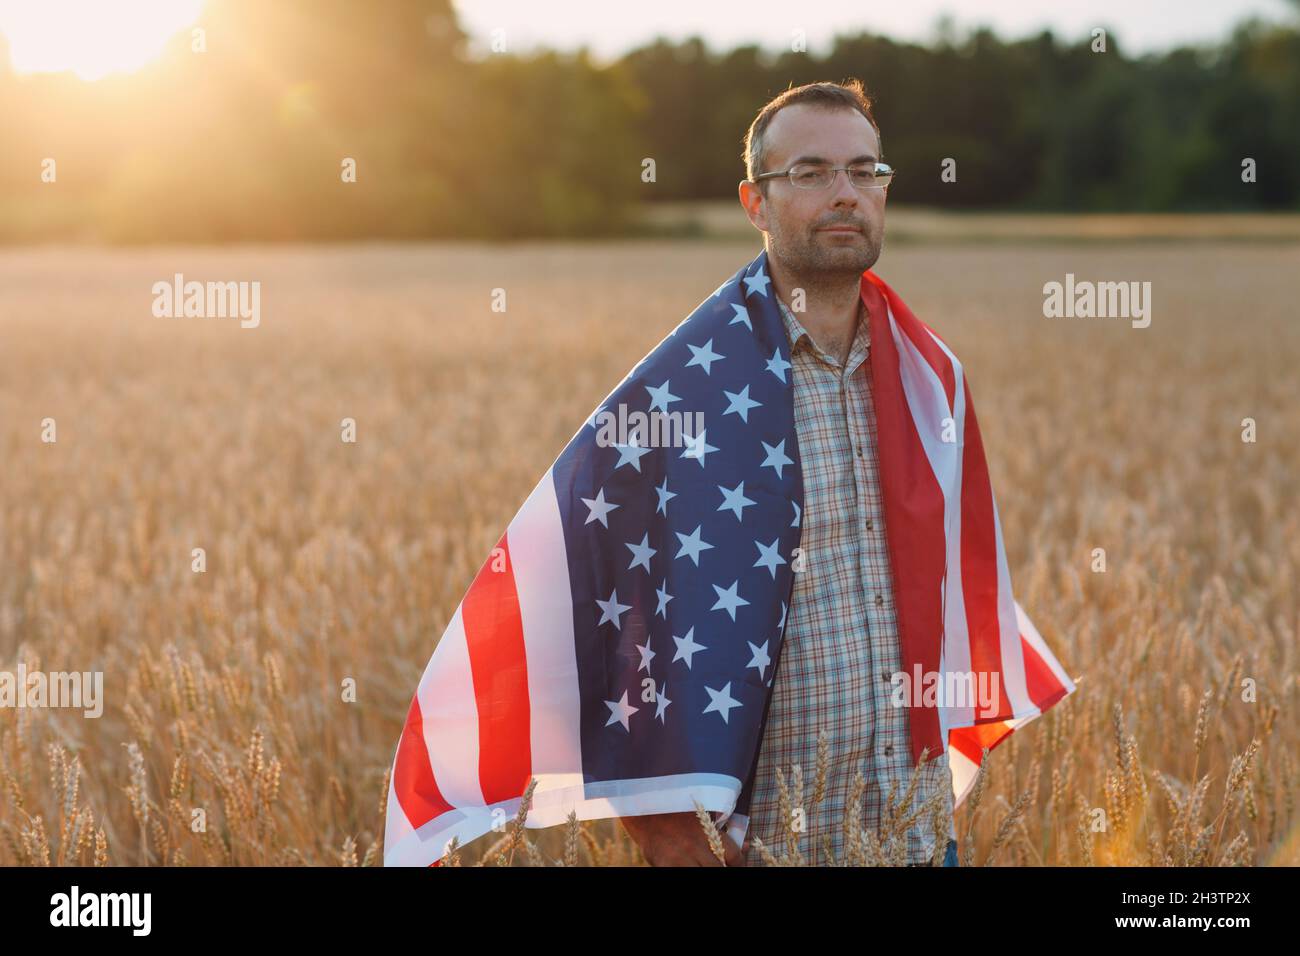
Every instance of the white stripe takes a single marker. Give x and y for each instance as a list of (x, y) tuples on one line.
[(598, 800), (927, 401), (396, 825), (737, 827), (450, 712), (1013, 653), (956, 643), (541, 571), (963, 775)]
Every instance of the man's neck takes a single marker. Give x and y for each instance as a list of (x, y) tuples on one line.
[(830, 309)]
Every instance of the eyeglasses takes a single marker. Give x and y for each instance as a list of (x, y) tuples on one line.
[(821, 175)]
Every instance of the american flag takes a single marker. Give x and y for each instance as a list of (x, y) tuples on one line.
[(620, 642)]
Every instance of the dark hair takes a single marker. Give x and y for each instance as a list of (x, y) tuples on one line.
[(847, 95)]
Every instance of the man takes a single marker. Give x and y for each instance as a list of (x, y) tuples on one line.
[(841, 643), (668, 621)]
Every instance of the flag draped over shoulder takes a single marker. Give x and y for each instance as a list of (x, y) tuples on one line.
[(620, 642)]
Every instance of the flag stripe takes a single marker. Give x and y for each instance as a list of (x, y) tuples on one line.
[(932, 415), (1029, 634), (451, 719), (978, 564), (1013, 654), (914, 499), (923, 340), (414, 785), (397, 826), (498, 662), (541, 570)]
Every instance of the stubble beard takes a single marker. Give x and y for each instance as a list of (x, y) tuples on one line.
[(820, 267)]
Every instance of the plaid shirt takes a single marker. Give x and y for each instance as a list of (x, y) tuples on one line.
[(841, 639)]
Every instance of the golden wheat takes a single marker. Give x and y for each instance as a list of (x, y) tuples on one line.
[(226, 736)]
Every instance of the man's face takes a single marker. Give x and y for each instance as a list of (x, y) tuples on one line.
[(800, 223)]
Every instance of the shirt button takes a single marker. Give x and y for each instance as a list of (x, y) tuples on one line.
[(889, 750), (885, 675), (880, 600), (859, 451), (869, 524)]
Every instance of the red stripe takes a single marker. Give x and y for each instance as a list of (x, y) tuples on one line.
[(913, 514), (494, 632), (979, 562), (1041, 683), (921, 337), (413, 781), (969, 740)]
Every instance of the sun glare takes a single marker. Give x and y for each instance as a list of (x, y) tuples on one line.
[(92, 38)]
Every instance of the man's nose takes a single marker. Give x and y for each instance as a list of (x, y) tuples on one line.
[(843, 190)]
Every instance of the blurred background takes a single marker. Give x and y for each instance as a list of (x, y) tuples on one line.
[(494, 120)]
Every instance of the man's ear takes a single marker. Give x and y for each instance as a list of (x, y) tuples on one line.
[(754, 204)]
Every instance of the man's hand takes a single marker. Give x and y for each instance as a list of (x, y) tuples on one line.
[(677, 839)]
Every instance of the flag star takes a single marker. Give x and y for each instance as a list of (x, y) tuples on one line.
[(664, 598), (642, 553), (686, 647), (620, 711), (692, 545), (660, 397), (630, 454), (776, 457), (769, 557), (664, 495), (728, 599), (718, 290), (661, 702), (611, 610), (647, 655), (600, 508), (757, 283), (704, 356), (780, 625), (742, 315), (798, 513), (777, 365), (760, 658), (741, 403), (721, 701), (698, 447), (735, 500)]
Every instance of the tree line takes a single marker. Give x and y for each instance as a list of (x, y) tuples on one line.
[(252, 137)]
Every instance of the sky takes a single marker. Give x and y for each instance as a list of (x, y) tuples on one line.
[(609, 28), (97, 38), (93, 38)]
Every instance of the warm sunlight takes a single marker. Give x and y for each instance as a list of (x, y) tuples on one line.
[(90, 37)]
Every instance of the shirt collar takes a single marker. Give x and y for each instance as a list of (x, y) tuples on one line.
[(796, 334)]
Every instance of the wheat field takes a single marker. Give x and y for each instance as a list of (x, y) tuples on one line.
[(333, 564)]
